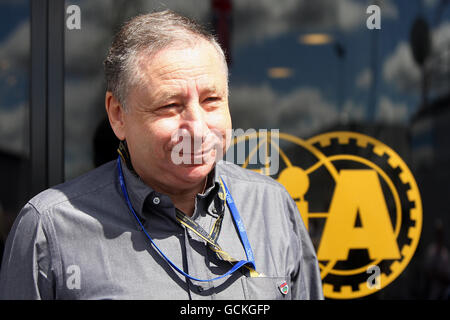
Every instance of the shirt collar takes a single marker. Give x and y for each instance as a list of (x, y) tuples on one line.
[(144, 198), (138, 191)]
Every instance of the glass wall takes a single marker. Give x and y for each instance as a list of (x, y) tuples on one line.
[(14, 111), (309, 68), (349, 84)]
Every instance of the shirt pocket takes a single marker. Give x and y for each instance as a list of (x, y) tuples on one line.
[(266, 288)]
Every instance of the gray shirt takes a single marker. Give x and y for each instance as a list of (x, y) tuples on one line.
[(79, 240)]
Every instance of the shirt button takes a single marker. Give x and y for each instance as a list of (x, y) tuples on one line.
[(156, 200)]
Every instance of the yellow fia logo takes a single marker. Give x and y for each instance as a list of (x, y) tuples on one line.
[(359, 202)]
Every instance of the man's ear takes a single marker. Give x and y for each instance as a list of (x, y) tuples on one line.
[(115, 115)]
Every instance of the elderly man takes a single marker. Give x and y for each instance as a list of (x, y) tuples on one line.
[(147, 226)]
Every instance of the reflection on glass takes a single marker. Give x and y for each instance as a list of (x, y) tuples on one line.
[(14, 111)]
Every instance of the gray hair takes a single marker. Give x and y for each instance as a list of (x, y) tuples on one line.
[(145, 35)]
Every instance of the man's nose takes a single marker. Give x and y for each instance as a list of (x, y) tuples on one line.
[(195, 121)]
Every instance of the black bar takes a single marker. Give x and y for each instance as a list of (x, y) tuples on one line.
[(38, 96), (55, 116)]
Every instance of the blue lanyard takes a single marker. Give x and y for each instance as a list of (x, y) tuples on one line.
[(236, 218)]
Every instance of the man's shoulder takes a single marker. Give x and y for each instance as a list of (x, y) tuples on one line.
[(84, 185), (235, 172)]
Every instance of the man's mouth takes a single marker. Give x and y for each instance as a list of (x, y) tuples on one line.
[(195, 158), (196, 154)]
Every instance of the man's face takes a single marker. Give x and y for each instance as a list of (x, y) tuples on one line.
[(185, 92)]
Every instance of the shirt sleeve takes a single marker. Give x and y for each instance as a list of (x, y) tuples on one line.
[(26, 267), (306, 282)]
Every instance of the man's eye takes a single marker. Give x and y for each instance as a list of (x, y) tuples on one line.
[(212, 99), (171, 105)]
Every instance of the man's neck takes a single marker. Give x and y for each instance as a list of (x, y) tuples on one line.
[(185, 203), (183, 199)]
